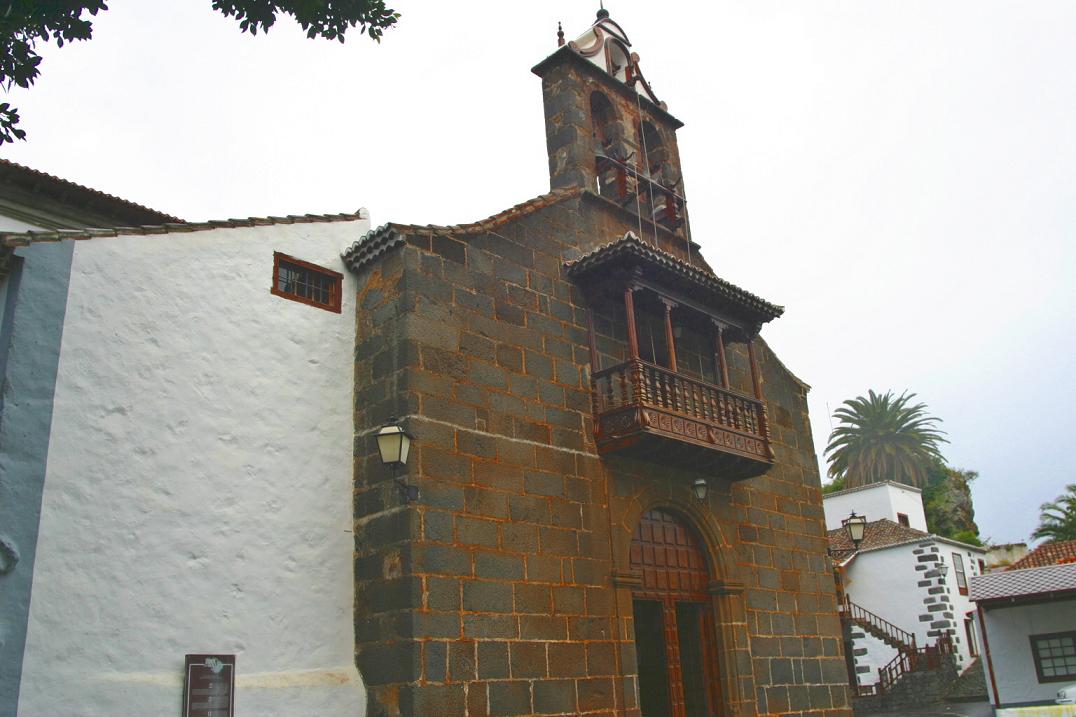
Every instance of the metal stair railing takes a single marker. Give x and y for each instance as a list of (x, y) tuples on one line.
[(928, 658)]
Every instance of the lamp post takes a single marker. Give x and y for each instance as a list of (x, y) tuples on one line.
[(854, 526), (394, 445)]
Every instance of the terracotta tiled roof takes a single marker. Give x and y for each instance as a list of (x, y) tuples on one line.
[(1027, 581), (634, 248), (13, 239), (378, 241), (1047, 554), (878, 534), (37, 181)]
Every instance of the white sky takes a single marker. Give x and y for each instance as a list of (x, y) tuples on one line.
[(900, 175)]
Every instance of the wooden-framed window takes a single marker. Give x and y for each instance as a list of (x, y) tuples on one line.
[(902, 519), (1055, 656), (958, 570), (306, 283)]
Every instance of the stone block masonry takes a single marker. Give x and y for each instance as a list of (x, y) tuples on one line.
[(506, 588)]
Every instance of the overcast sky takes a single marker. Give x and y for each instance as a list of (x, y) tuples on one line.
[(900, 175)]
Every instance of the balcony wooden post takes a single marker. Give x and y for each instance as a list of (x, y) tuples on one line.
[(633, 337), (592, 341), (722, 363), (670, 339)]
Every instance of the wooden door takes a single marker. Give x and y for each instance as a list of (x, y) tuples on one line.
[(674, 628)]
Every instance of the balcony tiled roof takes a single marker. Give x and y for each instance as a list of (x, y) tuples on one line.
[(1023, 582), (1047, 554), (632, 248)]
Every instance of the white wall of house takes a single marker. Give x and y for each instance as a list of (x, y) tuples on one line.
[(962, 606), (198, 488), (876, 501), (1008, 630), (895, 584)]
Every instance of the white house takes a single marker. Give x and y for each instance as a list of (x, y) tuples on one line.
[(904, 586), (176, 422), (1027, 615)]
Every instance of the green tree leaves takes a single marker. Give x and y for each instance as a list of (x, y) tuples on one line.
[(882, 437), (25, 22), (1057, 519), (22, 24)]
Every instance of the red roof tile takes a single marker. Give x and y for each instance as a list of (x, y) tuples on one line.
[(1047, 554)]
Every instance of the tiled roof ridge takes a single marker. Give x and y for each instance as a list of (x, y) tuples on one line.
[(90, 190), (631, 243), (1054, 553), (378, 241), (13, 239)]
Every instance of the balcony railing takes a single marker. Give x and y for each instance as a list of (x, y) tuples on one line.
[(637, 398)]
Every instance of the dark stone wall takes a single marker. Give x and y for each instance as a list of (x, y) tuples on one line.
[(504, 590)]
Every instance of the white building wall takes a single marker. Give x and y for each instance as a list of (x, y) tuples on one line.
[(877, 501), (1008, 630), (884, 582), (199, 481), (900, 587), (962, 606)]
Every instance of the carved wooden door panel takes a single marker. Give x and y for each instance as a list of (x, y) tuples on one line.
[(673, 621)]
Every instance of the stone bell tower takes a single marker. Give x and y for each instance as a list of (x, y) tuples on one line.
[(606, 130)]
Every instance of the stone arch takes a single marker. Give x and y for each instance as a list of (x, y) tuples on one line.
[(603, 119), (716, 547), (726, 598)]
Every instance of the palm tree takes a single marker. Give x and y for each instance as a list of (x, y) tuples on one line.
[(882, 437), (1057, 521)]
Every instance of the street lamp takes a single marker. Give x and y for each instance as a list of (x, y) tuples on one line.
[(855, 526), (699, 488), (943, 569), (394, 445)]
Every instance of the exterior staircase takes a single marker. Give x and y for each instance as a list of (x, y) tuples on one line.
[(878, 627), (910, 657)]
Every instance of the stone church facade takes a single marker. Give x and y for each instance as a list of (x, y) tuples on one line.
[(575, 377)]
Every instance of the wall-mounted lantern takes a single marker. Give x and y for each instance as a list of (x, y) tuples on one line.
[(855, 526), (943, 569), (700, 487), (394, 445)]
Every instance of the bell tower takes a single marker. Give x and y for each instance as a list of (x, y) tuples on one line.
[(606, 130)]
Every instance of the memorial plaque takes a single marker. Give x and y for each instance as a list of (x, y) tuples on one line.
[(209, 686)]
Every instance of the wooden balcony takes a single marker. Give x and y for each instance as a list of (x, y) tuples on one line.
[(648, 411)]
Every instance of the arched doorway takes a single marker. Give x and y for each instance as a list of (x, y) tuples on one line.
[(674, 630)]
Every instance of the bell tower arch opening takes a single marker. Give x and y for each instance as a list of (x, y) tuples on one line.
[(676, 650)]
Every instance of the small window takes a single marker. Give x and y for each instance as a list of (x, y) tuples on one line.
[(902, 519), (306, 283), (961, 577), (1055, 656)]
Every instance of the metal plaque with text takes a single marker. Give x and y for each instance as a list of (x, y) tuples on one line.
[(209, 686)]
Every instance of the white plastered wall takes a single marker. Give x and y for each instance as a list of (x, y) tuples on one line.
[(199, 482), (1008, 631), (886, 582), (881, 500)]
